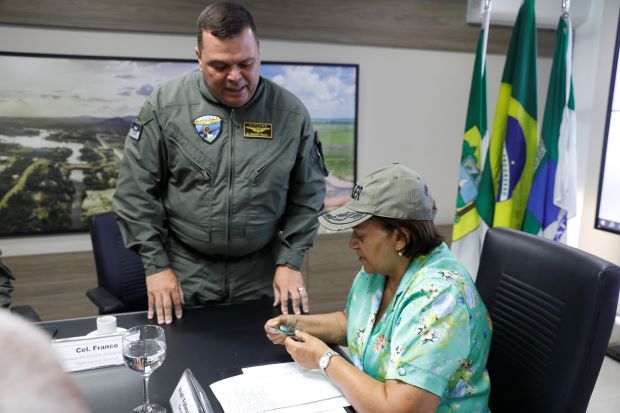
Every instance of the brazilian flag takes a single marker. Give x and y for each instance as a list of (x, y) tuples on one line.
[(467, 233), (553, 199), (509, 165)]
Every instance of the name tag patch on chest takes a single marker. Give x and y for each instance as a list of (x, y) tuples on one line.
[(258, 130), (209, 127)]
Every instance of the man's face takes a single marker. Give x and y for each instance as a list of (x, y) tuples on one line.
[(230, 67)]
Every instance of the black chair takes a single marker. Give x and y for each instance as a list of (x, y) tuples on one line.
[(26, 312), (120, 274), (553, 309)]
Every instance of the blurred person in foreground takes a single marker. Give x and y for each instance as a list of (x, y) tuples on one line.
[(32, 379), (416, 328), (222, 179)]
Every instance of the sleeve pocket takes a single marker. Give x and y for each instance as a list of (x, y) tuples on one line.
[(317, 153)]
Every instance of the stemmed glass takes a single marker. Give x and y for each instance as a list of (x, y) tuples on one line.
[(144, 350)]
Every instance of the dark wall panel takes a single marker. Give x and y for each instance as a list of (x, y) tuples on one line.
[(416, 24)]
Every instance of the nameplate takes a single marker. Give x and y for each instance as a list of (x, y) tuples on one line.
[(189, 396), (85, 353)]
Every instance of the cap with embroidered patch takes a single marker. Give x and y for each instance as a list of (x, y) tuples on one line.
[(391, 192)]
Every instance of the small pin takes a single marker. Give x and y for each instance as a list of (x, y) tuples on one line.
[(289, 331)]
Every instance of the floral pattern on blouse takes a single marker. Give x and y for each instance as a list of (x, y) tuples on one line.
[(435, 333)]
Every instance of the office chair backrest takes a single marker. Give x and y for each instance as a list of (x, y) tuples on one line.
[(119, 270), (553, 309)]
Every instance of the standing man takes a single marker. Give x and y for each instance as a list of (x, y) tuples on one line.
[(222, 179)]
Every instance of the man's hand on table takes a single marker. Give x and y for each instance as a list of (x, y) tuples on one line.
[(289, 283), (164, 295)]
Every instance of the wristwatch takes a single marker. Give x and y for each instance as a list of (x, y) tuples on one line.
[(325, 358)]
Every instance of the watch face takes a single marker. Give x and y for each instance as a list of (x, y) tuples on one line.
[(323, 361)]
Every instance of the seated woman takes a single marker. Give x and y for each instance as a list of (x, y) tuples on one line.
[(417, 330)]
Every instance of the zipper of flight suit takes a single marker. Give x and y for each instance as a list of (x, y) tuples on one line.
[(262, 169), (203, 171), (230, 194)]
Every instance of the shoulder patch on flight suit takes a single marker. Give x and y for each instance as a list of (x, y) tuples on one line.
[(144, 117), (259, 130), (208, 127), (135, 130)]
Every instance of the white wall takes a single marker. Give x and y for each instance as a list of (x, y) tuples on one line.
[(594, 44), (412, 103)]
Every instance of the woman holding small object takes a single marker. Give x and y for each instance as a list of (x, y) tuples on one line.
[(417, 330)]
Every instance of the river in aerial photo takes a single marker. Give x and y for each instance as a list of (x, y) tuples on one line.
[(77, 175), (41, 141)]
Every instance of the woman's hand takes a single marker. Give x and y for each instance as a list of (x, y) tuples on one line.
[(275, 336), (306, 350)]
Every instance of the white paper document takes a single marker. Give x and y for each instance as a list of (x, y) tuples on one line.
[(279, 388), (323, 406)]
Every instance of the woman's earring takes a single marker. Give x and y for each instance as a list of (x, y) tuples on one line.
[(400, 253)]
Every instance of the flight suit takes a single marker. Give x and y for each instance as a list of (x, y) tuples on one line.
[(221, 195)]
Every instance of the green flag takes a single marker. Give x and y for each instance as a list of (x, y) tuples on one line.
[(467, 234)]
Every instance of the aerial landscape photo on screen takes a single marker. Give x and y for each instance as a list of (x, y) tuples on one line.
[(64, 119)]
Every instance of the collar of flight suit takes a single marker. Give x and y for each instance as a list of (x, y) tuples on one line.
[(206, 93)]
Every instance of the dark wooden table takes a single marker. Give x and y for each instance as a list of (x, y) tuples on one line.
[(214, 342)]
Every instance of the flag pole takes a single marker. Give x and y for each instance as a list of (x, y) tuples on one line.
[(486, 18), (486, 15), (569, 50), (565, 8)]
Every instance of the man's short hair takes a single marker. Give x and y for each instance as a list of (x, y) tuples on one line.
[(224, 20)]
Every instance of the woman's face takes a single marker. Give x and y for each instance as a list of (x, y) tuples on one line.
[(375, 247)]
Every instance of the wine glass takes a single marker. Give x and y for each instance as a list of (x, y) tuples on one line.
[(144, 350)]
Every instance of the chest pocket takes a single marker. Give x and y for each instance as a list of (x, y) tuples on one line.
[(269, 182), (189, 196)]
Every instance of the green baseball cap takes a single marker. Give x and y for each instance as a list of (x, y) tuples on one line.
[(391, 192)]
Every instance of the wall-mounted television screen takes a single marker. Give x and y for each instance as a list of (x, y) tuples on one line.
[(64, 119), (608, 204)]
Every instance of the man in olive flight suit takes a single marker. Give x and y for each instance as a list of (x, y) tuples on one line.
[(222, 179)]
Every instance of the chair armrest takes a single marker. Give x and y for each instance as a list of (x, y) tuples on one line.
[(105, 301), (27, 312), (613, 351)]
